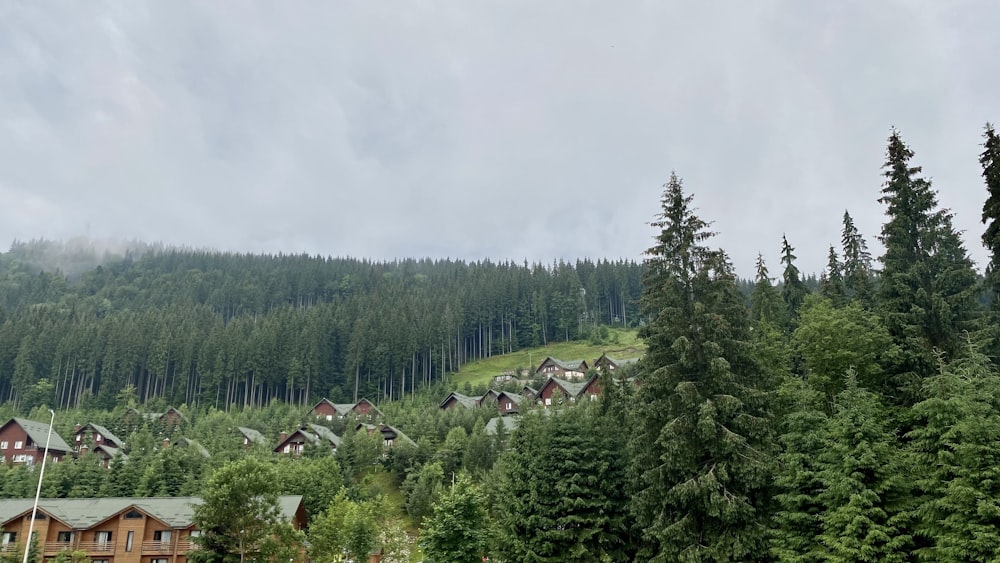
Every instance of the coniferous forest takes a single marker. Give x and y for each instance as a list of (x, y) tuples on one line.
[(853, 416)]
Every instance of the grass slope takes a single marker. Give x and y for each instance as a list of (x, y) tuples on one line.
[(621, 344)]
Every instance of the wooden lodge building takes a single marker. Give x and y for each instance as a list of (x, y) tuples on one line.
[(23, 441), (114, 530)]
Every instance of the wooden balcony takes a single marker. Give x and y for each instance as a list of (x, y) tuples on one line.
[(158, 547), (184, 546), (96, 547), (52, 547), (9, 547)]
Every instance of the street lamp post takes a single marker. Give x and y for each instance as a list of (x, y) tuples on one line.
[(38, 492)]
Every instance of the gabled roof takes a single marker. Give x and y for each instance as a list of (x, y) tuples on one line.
[(388, 432), (252, 435), (83, 513), (38, 432), (188, 442), (572, 388), (464, 400), (510, 423), (619, 363), (571, 365), (326, 434), (108, 436), (514, 397), (109, 451), (344, 409), (173, 410), (371, 406)]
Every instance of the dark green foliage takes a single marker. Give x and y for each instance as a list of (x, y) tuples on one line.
[(766, 305), (866, 483), (831, 285), (793, 289), (990, 161), (954, 449), (460, 529), (561, 493), (857, 267), (702, 446), (927, 289)]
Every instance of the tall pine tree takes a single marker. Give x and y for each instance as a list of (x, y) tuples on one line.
[(927, 289), (793, 289), (832, 283), (702, 449), (857, 268), (766, 305), (990, 160)]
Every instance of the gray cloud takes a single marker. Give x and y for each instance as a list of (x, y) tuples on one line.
[(483, 130)]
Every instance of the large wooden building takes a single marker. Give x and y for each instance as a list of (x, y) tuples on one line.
[(114, 530), (23, 441)]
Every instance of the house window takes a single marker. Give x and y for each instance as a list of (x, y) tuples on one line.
[(20, 458), (509, 406), (3, 445), (98, 438), (102, 538), (66, 537), (18, 444), (548, 401), (329, 417), (79, 437), (8, 537), (593, 397), (288, 448), (99, 561), (133, 515), (246, 441), (129, 539), (195, 534), (161, 560), (161, 536)]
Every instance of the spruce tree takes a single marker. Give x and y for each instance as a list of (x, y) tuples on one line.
[(702, 447), (793, 289), (766, 305), (857, 267), (927, 289), (990, 160), (832, 282), (955, 451)]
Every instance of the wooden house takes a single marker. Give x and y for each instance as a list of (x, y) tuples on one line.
[(23, 441), (557, 391), (91, 434), (329, 410), (455, 399), (554, 367), (119, 530), (391, 436), (606, 362), (508, 403), (251, 437), (310, 434)]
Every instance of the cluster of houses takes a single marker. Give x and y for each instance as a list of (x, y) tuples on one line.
[(565, 381)]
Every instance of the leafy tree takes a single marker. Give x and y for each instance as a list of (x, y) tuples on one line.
[(240, 516), (832, 341), (346, 530), (460, 529), (955, 452), (702, 447), (927, 289), (793, 289), (422, 489)]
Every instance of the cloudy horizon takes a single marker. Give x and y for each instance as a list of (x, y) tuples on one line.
[(502, 131)]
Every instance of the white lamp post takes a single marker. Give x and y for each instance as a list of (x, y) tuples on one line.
[(38, 492)]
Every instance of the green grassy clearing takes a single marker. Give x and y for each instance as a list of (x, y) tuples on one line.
[(620, 344)]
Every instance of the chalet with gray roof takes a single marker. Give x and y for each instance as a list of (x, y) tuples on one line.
[(510, 424), (251, 437), (557, 391), (106, 452), (309, 434), (391, 436), (456, 399), (23, 441), (91, 434), (508, 403), (554, 367), (327, 409), (612, 364)]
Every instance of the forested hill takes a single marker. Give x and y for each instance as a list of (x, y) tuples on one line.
[(201, 327)]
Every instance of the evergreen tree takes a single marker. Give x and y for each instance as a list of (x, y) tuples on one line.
[(955, 451), (702, 446), (857, 267), (990, 160), (865, 483), (793, 289), (927, 289), (460, 529), (765, 303), (832, 283)]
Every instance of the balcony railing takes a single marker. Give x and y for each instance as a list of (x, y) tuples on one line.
[(184, 546), (158, 546), (57, 546), (97, 546), (9, 547)]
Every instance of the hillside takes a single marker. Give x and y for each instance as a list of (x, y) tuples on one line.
[(620, 344)]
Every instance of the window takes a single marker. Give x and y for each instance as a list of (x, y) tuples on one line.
[(102, 537), (509, 406), (163, 560), (329, 417), (161, 535), (288, 448), (79, 437), (99, 561), (64, 537), (8, 537), (133, 515), (195, 534), (593, 397), (129, 539), (98, 438), (20, 458), (548, 401), (18, 444), (3, 445)]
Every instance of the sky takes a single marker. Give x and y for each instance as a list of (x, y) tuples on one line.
[(493, 130)]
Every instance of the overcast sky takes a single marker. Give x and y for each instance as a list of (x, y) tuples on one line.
[(473, 130)]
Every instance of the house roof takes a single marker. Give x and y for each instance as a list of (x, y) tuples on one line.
[(464, 400), (108, 435), (371, 406), (38, 432), (619, 363), (571, 365), (326, 434), (344, 409), (514, 397), (110, 451), (188, 442), (388, 432), (510, 423), (251, 434), (83, 513), (571, 388)]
